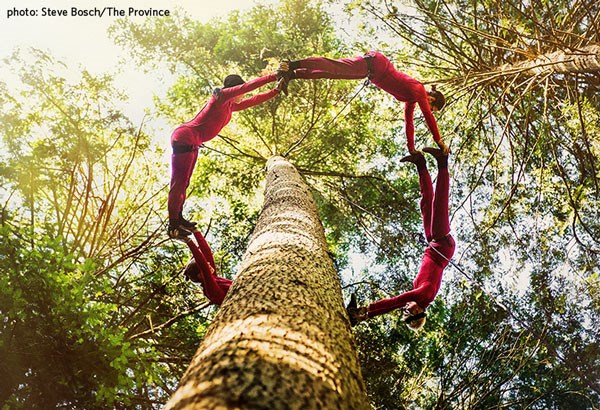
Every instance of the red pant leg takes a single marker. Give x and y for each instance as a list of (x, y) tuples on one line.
[(426, 201), (182, 167), (205, 249), (322, 67), (440, 224), (209, 281)]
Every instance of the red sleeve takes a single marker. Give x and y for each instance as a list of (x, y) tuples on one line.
[(387, 305), (421, 295), (230, 92), (409, 111), (255, 100), (430, 120)]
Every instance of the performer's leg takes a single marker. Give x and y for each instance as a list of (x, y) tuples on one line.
[(440, 224), (322, 67), (182, 167), (426, 189), (426, 201), (212, 290), (204, 248)]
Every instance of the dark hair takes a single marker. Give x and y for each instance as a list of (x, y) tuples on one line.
[(415, 322), (440, 100), (232, 80), (192, 271)]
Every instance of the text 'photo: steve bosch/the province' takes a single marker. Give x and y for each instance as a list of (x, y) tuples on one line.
[(86, 12)]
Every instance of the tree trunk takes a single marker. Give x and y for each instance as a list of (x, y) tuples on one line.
[(586, 60), (281, 339)]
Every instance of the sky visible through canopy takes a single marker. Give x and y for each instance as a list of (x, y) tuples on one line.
[(83, 42)]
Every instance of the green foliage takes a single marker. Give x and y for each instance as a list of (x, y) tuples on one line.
[(54, 333), (86, 289), (525, 181)]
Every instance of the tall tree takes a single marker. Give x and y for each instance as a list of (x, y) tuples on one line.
[(327, 128), (281, 339)]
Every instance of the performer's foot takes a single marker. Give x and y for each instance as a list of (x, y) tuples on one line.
[(414, 157), (282, 86), (178, 232), (417, 158), (439, 154), (355, 314), (293, 65), (435, 152), (189, 225), (285, 78)]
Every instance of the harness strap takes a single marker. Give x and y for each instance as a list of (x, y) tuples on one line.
[(369, 60), (182, 149)]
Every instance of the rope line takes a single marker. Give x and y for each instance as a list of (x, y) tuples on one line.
[(330, 123)]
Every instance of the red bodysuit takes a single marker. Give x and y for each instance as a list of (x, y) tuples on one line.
[(382, 74), (202, 269), (207, 124), (434, 208)]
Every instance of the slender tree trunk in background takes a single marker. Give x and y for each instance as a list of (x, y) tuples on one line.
[(586, 60), (281, 339)]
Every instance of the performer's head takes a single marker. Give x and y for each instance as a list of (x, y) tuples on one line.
[(414, 315), (231, 81), (191, 271), (436, 99)]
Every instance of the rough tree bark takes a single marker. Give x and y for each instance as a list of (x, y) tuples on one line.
[(281, 339), (586, 60)]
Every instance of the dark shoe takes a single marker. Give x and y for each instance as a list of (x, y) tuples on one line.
[(355, 314), (178, 232), (186, 224), (440, 156), (436, 152), (282, 86), (280, 73), (285, 74), (415, 157), (293, 64), (286, 77)]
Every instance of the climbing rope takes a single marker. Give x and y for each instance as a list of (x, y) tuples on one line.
[(466, 275), (365, 83), (332, 121)]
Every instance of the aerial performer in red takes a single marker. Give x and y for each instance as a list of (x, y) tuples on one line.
[(201, 269), (187, 138), (380, 71), (434, 209)]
